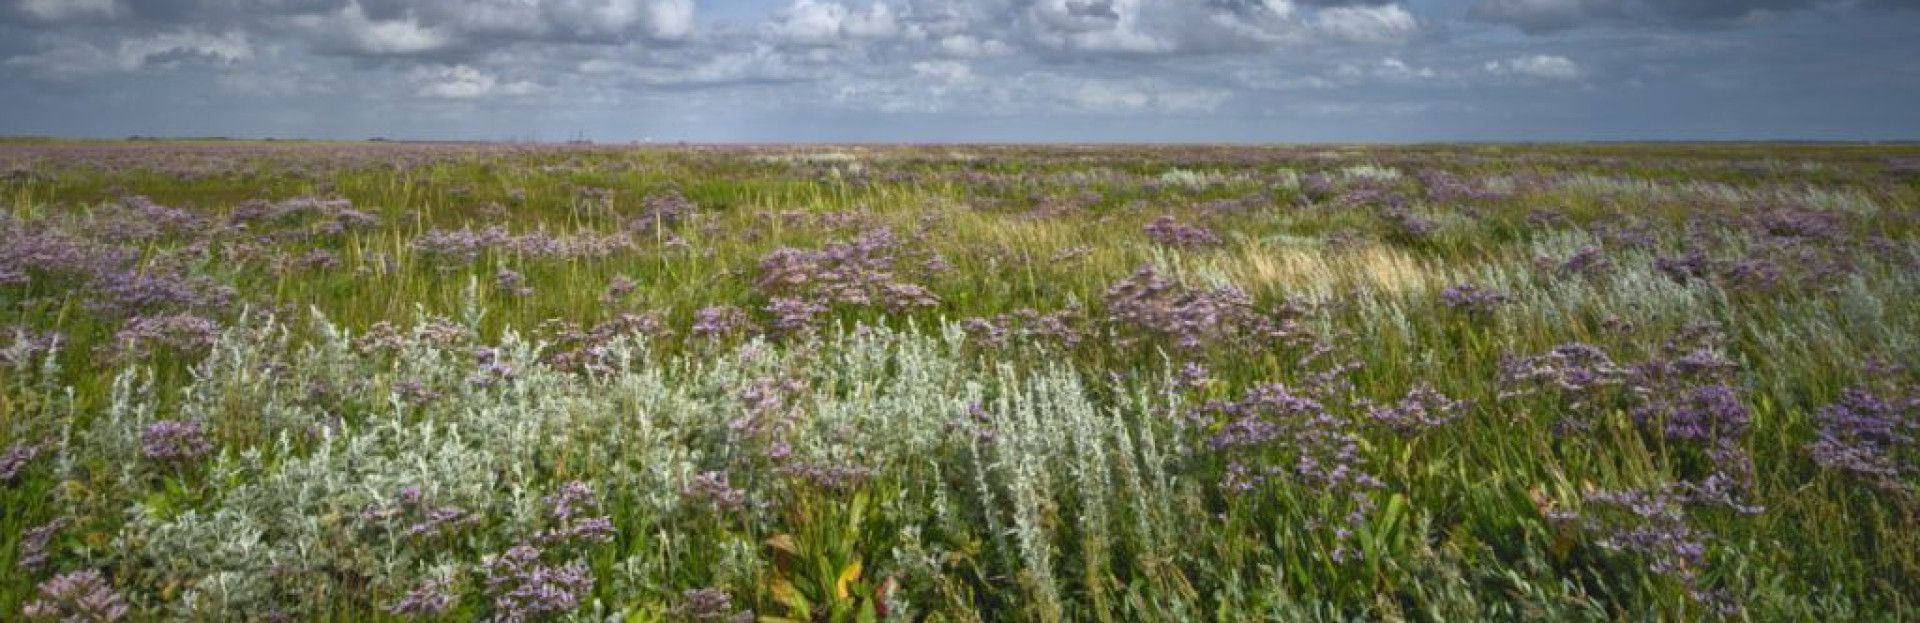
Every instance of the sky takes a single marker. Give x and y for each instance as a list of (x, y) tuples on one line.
[(1250, 71)]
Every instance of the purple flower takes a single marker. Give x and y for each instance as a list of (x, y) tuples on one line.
[(181, 332), (1422, 409), (704, 604), (525, 588), (1474, 299), (174, 440), (713, 490), (512, 283), (1869, 436), (794, 315), (662, 210), (568, 517), (1194, 319), (78, 596), (34, 544), (16, 460), (858, 272), (433, 597), (1167, 231)]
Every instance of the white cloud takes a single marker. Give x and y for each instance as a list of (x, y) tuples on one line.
[(63, 10), (943, 72), (351, 30), (1387, 23), (461, 82), (969, 46), (1537, 66), (671, 20), (813, 22)]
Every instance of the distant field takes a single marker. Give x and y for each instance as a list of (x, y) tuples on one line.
[(352, 381)]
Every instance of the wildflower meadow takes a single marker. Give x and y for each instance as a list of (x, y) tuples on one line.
[(262, 381)]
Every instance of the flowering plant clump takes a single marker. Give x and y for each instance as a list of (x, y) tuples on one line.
[(77, 596), (1167, 231), (1148, 303)]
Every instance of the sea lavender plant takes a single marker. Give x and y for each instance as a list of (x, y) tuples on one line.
[(719, 321), (15, 461), (1173, 233), (525, 587), (174, 441), (35, 549), (1870, 436), (1147, 303), (78, 596), (1424, 408), (184, 333), (1474, 299), (434, 597)]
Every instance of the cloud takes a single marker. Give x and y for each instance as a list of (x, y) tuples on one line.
[(1544, 16), (351, 31), (1538, 67), (421, 27), (1387, 23), (461, 82), (68, 58), (1539, 17), (67, 10), (225, 48), (814, 22)]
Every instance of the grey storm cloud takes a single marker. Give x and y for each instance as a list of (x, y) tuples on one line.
[(1547, 16), (941, 69)]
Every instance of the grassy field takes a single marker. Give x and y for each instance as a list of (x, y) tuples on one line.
[(323, 381)]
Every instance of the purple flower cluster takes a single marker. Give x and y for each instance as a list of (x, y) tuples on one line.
[(859, 272), (1026, 326), (827, 476), (1424, 408), (792, 315), (424, 521), (1688, 395), (174, 440), (712, 490), (719, 322), (525, 587), (327, 216), (1445, 187), (512, 283), (35, 543), (1474, 299), (661, 210), (466, 245), (1653, 525), (1587, 261), (183, 333), (586, 350), (78, 596), (707, 604), (1409, 226), (1870, 435), (1225, 316), (572, 516), (1272, 432), (1167, 231), (432, 598), (16, 460), (1584, 375)]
